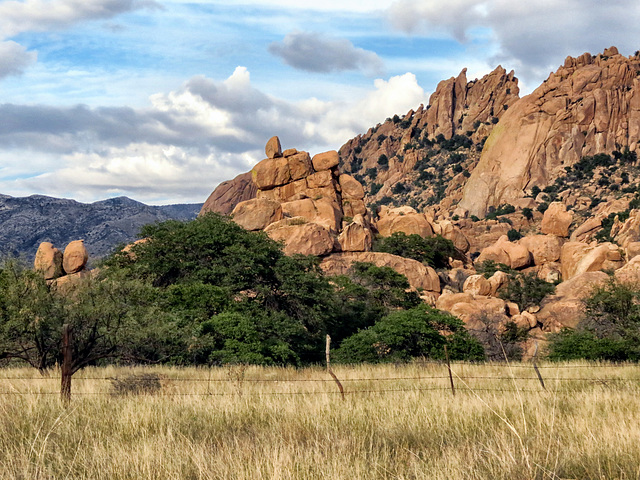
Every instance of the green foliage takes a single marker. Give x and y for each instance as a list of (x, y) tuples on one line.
[(400, 188), (504, 209), (543, 207), (535, 191), (455, 142), (432, 251), (514, 235), (489, 267), (372, 173), (403, 335), (526, 289), (527, 213), (609, 330), (383, 161), (375, 188)]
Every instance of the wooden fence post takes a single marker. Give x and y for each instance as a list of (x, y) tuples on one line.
[(333, 375), (65, 386), (446, 355), (535, 367)]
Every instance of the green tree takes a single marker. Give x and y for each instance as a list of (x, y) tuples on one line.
[(407, 334), (609, 329), (432, 251)]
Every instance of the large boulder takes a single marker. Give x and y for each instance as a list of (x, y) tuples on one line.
[(503, 251), (477, 285), (452, 232), (228, 194), (351, 188), (299, 165), (566, 308), (75, 257), (419, 276), (257, 214), (271, 172), (404, 220), (303, 238), (322, 211), (630, 273), (356, 236), (577, 258), (325, 160), (48, 261), (543, 248), (556, 220), (273, 148)]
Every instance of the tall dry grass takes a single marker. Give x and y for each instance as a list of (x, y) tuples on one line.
[(227, 425)]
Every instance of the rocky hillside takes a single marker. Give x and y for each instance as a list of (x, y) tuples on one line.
[(28, 221), (423, 158)]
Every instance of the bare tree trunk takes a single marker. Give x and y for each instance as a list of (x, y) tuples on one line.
[(65, 386)]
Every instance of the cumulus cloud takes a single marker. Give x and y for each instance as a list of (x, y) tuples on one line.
[(534, 36), (184, 143), (36, 15), (315, 52), (14, 58)]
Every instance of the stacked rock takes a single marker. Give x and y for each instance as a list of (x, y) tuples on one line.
[(306, 203), (55, 265)]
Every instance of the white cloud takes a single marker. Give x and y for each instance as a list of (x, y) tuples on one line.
[(315, 52), (533, 37), (186, 142), (37, 15), (14, 58)]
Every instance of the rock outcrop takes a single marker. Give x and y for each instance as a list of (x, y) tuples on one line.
[(75, 257), (588, 106), (48, 261), (306, 203), (55, 265), (419, 276), (228, 194)]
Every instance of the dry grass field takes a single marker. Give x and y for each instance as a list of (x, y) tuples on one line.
[(276, 423)]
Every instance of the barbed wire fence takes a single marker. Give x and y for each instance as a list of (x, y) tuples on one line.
[(455, 377)]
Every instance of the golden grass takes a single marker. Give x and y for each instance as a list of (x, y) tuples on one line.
[(247, 429)]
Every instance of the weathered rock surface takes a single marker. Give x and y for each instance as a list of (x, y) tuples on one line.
[(629, 273), (457, 105), (590, 105), (477, 285), (271, 172), (556, 220), (419, 275), (403, 219), (543, 248), (75, 257), (356, 236), (325, 160), (503, 251), (565, 308), (48, 261), (577, 258), (273, 148), (230, 193), (257, 213), (306, 238)]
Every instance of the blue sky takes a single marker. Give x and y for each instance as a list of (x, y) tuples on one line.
[(162, 100)]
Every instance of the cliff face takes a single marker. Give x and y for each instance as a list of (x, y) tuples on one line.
[(409, 158), (456, 105), (590, 105)]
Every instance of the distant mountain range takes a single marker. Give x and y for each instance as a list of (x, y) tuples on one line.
[(25, 222)]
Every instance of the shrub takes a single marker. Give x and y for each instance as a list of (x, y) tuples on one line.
[(144, 383), (375, 188), (527, 213), (526, 289), (383, 161), (401, 336), (514, 235), (433, 251)]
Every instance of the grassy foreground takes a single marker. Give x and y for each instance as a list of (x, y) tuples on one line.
[(411, 427)]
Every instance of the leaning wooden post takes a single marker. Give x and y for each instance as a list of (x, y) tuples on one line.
[(446, 355), (535, 367), (333, 375), (65, 386)]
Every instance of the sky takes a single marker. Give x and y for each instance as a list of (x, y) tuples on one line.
[(161, 100)]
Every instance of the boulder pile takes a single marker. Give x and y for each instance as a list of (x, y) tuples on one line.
[(58, 267)]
